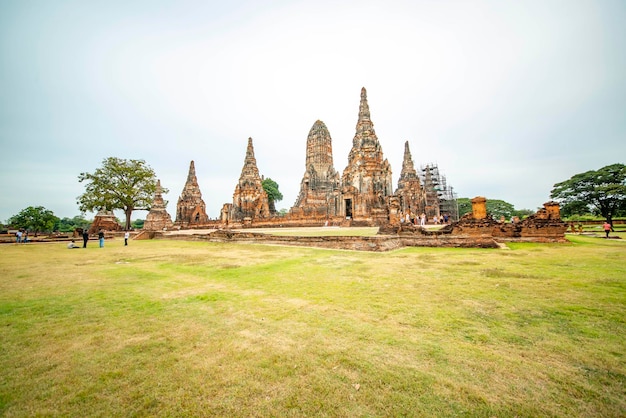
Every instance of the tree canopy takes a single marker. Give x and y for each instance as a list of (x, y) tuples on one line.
[(119, 184), (602, 191), (36, 219), (273, 194), (70, 224), (464, 204)]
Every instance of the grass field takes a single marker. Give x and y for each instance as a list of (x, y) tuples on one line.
[(174, 328)]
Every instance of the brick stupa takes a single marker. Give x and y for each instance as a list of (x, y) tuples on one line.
[(158, 219), (104, 220), (191, 209), (250, 200), (410, 191)]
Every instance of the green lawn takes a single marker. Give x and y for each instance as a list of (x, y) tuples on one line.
[(173, 328)]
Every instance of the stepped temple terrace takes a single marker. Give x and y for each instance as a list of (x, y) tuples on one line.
[(362, 195)]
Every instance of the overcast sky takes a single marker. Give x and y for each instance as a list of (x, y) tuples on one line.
[(507, 97)]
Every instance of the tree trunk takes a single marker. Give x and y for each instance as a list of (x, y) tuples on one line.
[(128, 212)]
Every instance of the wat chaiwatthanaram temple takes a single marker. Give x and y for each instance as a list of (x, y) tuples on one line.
[(363, 195)]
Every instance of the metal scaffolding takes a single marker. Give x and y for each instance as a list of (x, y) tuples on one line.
[(440, 198)]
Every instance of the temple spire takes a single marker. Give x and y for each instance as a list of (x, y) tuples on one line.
[(191, 177), (250, 150), (191, 208), (249, 199), (409, 180), (250, 169), (364, 109), (364, 126), (408, 169), (367, 171), (158, 191)]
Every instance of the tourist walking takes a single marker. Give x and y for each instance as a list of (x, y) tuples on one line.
[(126, 236), (85, 237), (607, 228), (101, 238)]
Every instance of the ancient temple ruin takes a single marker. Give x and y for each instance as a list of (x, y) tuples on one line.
[(191, 209), (366, 181), (545, 225), (319, 188), (158, 218), (250, 200), (362, 196), (477, 229), (104, 220), (410, 192)]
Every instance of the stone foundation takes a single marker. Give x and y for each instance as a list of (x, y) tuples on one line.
[(377, 243)]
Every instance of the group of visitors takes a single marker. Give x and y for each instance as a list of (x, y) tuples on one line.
[(85, 234), (421, 219), (21, 237)]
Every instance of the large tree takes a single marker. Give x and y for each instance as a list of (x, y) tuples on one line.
[(273, 194), (36, 219), (603, 191), (119, 184)]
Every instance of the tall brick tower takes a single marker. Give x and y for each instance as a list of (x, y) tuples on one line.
[(367, 179), (410, 190), (190, 209), (319, 188), (250, 199)]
